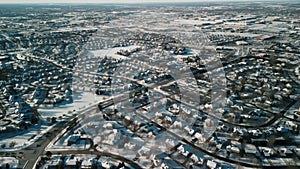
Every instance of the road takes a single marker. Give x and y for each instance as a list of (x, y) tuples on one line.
[(33, 152)]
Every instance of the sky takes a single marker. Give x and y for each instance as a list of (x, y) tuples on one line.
[(105, 1)]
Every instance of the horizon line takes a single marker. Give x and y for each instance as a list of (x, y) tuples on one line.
[(147, 2)]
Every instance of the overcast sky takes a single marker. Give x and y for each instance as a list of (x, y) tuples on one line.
[(105, 1)]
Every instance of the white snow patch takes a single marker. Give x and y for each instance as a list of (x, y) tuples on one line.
[(13, 162), (112, 52)]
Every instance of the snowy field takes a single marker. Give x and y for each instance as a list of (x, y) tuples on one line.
[(80, 100), (112, 52)]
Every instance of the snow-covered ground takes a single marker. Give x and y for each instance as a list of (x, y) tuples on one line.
[(81, 100), (112, 52), (11, 161), (23, 138)]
